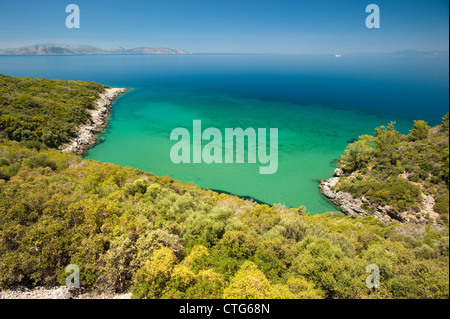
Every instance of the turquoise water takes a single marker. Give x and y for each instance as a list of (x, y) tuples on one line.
[(318, 104)]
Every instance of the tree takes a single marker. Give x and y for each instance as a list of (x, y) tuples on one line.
[(152, 278), (358, 154), (419, 131), (248, 283), (386, 140), (445, 121)]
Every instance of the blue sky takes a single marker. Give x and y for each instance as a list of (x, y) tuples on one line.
[(247, 26)]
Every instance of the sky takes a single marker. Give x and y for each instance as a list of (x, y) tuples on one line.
[(231, 26)]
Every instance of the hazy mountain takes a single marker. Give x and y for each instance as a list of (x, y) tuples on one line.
[(407, 53), (65, 49), (118, 50), (154, 51), (38, 50), (89, 50)]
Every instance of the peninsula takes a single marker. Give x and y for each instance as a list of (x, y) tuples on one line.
[(392, 176)]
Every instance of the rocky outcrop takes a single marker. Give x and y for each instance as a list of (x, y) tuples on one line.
[(347, 203), (86, 136), (351, 205)]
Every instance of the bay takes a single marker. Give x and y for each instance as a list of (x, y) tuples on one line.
[(318, 102)]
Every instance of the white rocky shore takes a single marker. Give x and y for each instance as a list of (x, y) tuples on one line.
[(359, 206), (87, 134), (58, 293)]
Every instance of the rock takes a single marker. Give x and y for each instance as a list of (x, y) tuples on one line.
[(347, 203), (61, 293), (338, 172), (363, 207), (327, 187)]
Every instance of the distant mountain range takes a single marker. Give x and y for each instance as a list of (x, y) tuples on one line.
[(62, 49)]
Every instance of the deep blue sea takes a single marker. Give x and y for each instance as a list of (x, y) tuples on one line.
[(318, 103)]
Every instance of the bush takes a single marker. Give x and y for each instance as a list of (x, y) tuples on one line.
[(41, 160), (424, 252), (152, 278), (249, 283), (420, 131), (396, 192), (137, 187), (442, 204)]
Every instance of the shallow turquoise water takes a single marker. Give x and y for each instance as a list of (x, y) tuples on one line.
[(318, 103), (310, 140)]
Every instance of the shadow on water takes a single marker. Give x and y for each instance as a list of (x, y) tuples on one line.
[(335, 163), (244, 197)]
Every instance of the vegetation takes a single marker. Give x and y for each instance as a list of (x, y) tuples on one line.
[(395, 170), (129, 230), (46, 111)]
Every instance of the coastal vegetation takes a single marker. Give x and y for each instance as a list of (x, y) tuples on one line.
[(395, 170), (46, 111), (129, 230)]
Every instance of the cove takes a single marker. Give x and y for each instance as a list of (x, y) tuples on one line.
[(319, 103)]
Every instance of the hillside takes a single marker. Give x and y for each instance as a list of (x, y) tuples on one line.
[(129, 230)]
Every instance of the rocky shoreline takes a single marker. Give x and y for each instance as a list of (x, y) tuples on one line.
[(351, 205), (58, 293), (86, 136), (346, 202)]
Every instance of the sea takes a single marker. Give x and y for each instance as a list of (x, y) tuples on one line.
[(318, 103)]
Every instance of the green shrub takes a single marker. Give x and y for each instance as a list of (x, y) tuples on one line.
[(420, 131), (424, 252), (442, 204), (137, 187), (152, 278), (41, 160)]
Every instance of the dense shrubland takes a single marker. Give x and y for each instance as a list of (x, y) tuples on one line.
[(392, 169), (41, 110), (129, 230)]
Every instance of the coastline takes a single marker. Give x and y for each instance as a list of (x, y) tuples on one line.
[(348, 204), (86, 135)]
